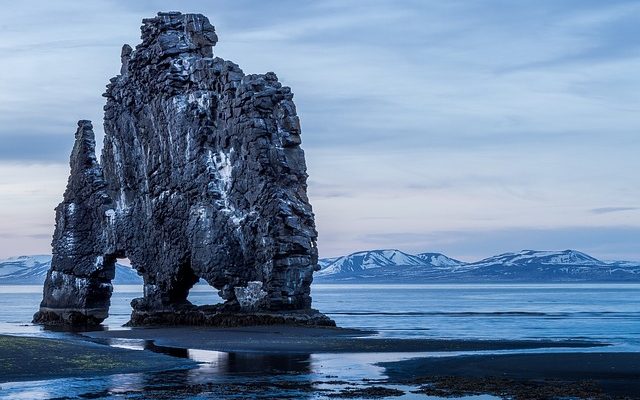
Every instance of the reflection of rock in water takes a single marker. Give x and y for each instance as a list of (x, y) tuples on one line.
[(244, 363), (170, 351), (228, 375), (201, 177), (183, 384), (239, 363)]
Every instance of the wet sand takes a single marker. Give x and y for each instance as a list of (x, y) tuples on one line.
[(524, 376), (28, 358), (305, 340), (596, 375)]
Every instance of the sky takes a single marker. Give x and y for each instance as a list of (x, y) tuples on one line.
[(465, 127)]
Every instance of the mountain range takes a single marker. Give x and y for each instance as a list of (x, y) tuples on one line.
[(32, 270), (526, 266), (395, 266)]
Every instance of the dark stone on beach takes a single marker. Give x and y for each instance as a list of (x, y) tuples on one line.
[(548, 375), (201, 177), (371, 392), (457, 387)]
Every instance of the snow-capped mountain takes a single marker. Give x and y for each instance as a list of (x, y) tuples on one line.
[(365, 260), (440, 260), (552, 266), (528, 257), (394, 266), (325, 262), (32, 270)]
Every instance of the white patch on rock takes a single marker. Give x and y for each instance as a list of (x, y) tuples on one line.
[(222, 163), (180, 103), (221, 168), (202, 212), (202, 101), (236, 220), (250, 297), (68, 281), (187, 147), (121, 203), (69, 240), (149, 289), (111, 215)]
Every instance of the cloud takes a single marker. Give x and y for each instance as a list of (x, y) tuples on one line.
[(328, 190), (607, 210), (442, 117), (37, 236), (38, 148)]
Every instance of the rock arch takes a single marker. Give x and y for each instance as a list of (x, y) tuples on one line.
[(201, 176)]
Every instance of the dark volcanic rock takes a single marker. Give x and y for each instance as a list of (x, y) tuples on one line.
[(78, 285), (201, 177)]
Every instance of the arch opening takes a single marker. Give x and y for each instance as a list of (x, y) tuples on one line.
[(203, 294), (127, 285)]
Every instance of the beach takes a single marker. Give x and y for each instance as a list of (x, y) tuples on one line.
[(531, 375), (526, 376), (405, 342), (33, 359)]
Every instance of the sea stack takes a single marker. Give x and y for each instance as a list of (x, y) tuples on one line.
[(201, 178)]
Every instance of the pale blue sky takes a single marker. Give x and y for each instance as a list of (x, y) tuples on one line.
[(468, 127)]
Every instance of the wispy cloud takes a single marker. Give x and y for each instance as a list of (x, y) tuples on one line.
[(417, 116), (35, 148), (607, 210)]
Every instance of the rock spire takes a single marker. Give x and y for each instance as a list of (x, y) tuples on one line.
[(201, 178)]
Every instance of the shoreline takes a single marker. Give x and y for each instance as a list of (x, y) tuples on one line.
[(307, 340), (596, 375)]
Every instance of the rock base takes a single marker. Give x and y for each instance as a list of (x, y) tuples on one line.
[(212, 316), (66, 317)]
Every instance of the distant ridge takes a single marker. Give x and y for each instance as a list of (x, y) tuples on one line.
[(395, 266), (32, 270)]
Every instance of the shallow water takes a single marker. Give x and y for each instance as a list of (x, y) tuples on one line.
[(609, 313)]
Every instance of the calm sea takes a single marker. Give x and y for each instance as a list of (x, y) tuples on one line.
[(603, 312)]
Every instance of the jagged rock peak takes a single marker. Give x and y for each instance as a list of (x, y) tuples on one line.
[(172, 33), (201, 177), (80, 275), (84, 150)]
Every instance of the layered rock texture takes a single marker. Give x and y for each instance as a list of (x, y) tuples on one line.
[(201, 177)]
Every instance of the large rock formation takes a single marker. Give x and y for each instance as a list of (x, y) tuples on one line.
[(201, 177)]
